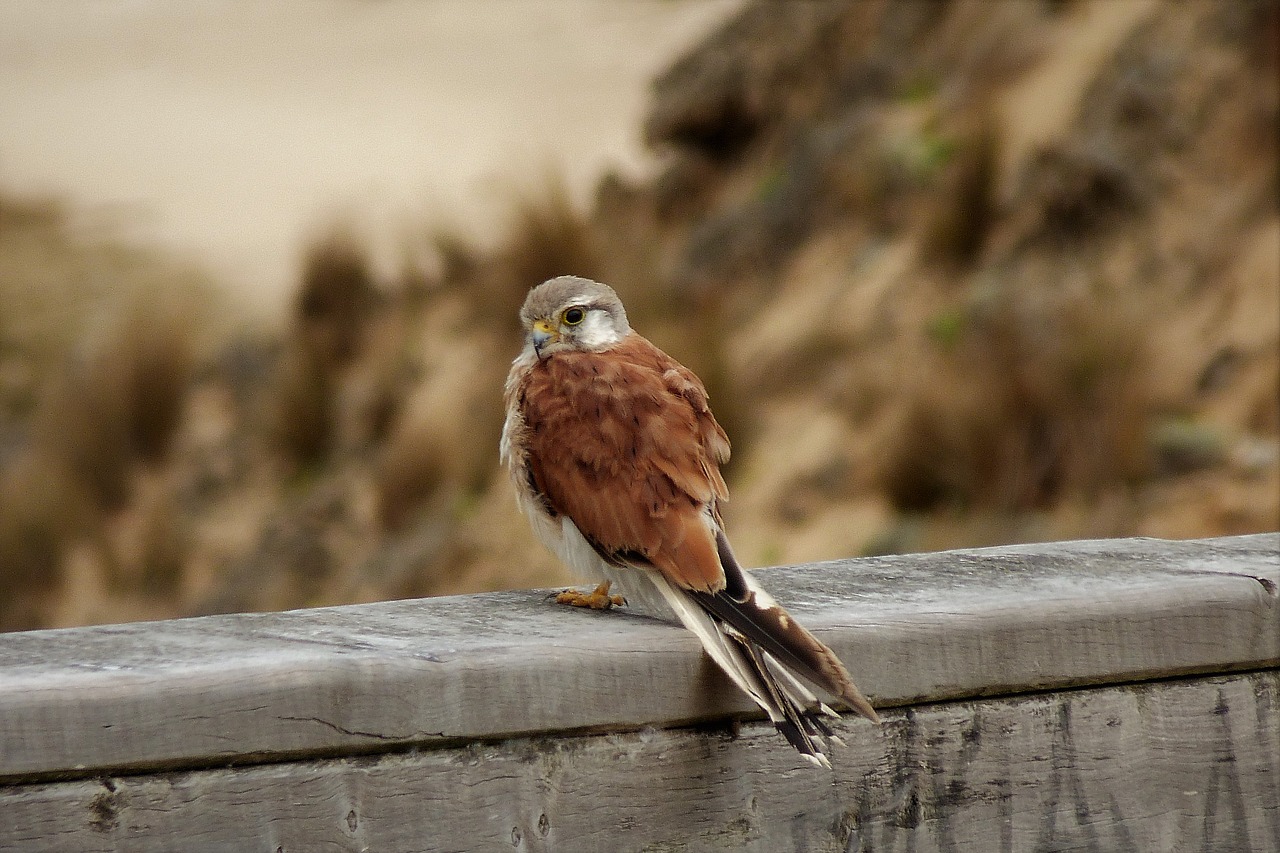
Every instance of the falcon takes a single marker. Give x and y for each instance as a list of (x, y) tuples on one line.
[(615, 458)]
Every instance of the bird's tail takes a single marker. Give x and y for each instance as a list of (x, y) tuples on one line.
[(760, 673), (753, 612)]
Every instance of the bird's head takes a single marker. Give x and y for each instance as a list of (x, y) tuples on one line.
[(572, 314)]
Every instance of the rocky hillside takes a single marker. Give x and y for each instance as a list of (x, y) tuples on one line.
[(955, 274)]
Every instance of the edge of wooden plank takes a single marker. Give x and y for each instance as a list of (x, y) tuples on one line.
[(364, 678)]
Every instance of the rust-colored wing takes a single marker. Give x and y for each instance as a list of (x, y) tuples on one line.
[(623, 443)]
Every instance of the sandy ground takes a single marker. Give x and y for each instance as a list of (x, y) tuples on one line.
[(230, 130)]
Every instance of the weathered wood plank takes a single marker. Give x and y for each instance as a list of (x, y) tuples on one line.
[(1185, 765), (199, 692)]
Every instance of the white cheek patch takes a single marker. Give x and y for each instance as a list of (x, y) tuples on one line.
[(597, 330)]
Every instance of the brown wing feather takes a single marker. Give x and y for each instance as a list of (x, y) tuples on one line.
[(623, 443)]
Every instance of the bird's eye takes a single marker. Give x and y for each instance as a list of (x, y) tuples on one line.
[(574, 316)]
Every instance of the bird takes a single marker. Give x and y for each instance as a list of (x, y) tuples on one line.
[(615, 458)]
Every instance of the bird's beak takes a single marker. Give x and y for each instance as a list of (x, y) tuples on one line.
[(543, 333)]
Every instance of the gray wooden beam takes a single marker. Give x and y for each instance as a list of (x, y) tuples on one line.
[(1183, 765), (371, 678)]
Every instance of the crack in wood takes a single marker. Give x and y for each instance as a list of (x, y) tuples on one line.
[(417, 735)]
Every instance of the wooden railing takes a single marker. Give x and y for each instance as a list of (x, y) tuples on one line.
[(1117, 695)]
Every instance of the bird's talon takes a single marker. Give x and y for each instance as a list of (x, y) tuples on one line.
[(598, 599)]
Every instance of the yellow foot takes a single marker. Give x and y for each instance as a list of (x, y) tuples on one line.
[(598, 599)]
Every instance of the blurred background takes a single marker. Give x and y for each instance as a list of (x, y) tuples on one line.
[(955, 274)]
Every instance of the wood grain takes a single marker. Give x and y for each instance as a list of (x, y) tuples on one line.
[(1184, 765), (370, 678)]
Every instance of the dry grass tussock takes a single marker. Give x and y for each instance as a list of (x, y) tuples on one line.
[(97, 346), (943, 294), (1025, 397)]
